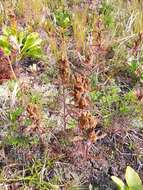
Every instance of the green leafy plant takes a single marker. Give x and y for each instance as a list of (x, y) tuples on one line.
[(16, 140), (107, 100), (63, 18), (32, 46), (107, 13), (15, 114), (71, 124), (17, 45), (132, 179), (25, 44), (136, 67)]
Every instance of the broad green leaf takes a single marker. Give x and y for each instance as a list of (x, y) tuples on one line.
[(32, 40), (140, 187), (35, 52), (119, 182), (5, 45), (132, 178), (21, 37), (4, 42)]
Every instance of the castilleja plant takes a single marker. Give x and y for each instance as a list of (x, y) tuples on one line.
[(80, 87), (74, 80)]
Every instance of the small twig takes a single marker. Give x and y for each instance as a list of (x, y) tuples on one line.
[(14, 180), (10, 64), (64, 104)]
